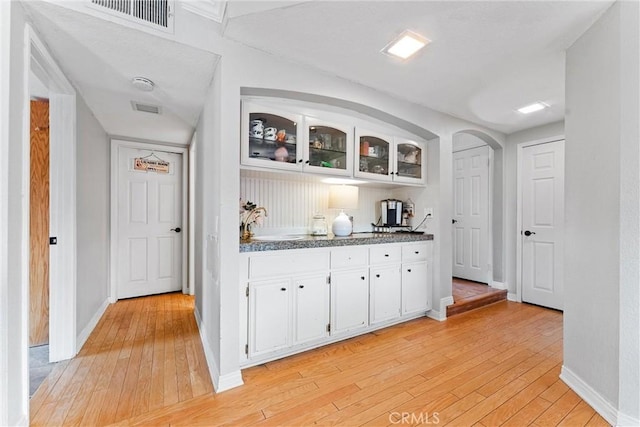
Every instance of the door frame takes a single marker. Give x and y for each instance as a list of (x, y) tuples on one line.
[(116, 144), (62, 208), (519, 156)]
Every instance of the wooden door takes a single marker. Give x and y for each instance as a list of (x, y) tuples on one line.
[(39, 225), (471, 214), (543, 224), (149, 222)]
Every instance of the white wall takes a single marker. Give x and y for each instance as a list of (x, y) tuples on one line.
[(602, 263), (92, 201), (13, 373), (550, 132)]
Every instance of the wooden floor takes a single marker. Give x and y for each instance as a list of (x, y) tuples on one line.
[(497, 365), (468, 295)]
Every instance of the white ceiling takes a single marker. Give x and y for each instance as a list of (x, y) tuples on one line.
[(486, 58)]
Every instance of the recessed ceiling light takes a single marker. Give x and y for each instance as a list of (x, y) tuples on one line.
[(405, 45), (536, 106), (143, 84)]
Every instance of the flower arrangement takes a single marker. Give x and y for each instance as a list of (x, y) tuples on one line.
[(250, 214)]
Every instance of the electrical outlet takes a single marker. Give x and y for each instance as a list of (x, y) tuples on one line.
[(428, 212)]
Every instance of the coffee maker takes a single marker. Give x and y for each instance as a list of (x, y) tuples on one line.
[(391, 210)]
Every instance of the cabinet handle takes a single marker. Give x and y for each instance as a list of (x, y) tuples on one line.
[(300, 161), (409, 270), (377, 275), (283, 289), (417, 252), (301, 286), (307, 162), (362, 277), (386, 255)]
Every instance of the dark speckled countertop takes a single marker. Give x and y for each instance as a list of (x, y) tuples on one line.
[(328, 241)]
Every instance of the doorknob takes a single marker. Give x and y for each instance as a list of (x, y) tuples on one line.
[(529, 233), (177, 229), (453, 221)]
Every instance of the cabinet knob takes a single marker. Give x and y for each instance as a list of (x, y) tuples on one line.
[(409, 270), (417, 252), (377, 275), (386, 255), (300, 161), (301, 286), (283, 289), (362, 277), (307, 162)]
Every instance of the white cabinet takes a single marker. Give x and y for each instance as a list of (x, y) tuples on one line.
[(269, 316), (270, 138), (328, 148), (349, 300), (416, 288), (311, 308), (385, 293), (382, 157)]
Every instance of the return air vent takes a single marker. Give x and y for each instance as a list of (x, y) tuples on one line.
[(146, 108), (158, 13)]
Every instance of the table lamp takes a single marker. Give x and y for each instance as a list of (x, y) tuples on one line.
[(342, 197)]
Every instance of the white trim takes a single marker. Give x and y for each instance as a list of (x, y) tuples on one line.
[(446, 301), (593, 398), (512, 297), (116, 144), (84, 334), (220, 382), (498, 285), (519, 153), (627, 420), (437, 315), (192, 216)]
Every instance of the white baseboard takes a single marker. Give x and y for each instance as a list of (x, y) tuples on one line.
[(84, 334), (627, 420), (589, 395), (220, 382), (498, 285), (512, 297), (446, 301), (436, 315), (23, 421)]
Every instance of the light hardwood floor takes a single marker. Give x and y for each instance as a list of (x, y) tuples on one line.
[(497, 365)]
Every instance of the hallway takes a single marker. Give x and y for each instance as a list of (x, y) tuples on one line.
[(144, 365)]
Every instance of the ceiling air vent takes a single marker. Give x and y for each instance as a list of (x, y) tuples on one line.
[(146, 108), (155, 12)]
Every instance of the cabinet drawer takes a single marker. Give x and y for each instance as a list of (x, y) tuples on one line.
[(381, 254), (348, 257), (414, 252), (287, 264)]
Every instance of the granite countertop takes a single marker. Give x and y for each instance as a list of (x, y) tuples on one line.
[(330, 241)]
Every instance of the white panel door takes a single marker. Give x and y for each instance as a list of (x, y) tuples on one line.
[(149, 225), (385, 293), (311, 308), (543, 224), (471, 214), (269, 316), (416, 287), (349, 300)]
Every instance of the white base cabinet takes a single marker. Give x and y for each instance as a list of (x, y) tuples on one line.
[(295, 300)]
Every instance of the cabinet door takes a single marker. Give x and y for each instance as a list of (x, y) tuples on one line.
[(385, 293), (410, 161), (328, 148), (270, 137), (311, 308), (269, 316), (416, 288), (374, 152), (349, 300)]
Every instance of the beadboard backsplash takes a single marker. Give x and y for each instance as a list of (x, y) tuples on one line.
[(291, 201)]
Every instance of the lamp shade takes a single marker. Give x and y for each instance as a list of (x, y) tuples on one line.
[(343, 197)]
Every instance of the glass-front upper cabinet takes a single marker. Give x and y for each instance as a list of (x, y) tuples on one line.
[(410, 161), (270, 137), (374, 155), (328, 148)]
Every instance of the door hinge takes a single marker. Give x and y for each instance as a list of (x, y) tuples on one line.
[(246, 349), (328, 327), (329, 279), (247, 292)]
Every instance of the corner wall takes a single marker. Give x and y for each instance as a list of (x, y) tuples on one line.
[(602, 262)]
